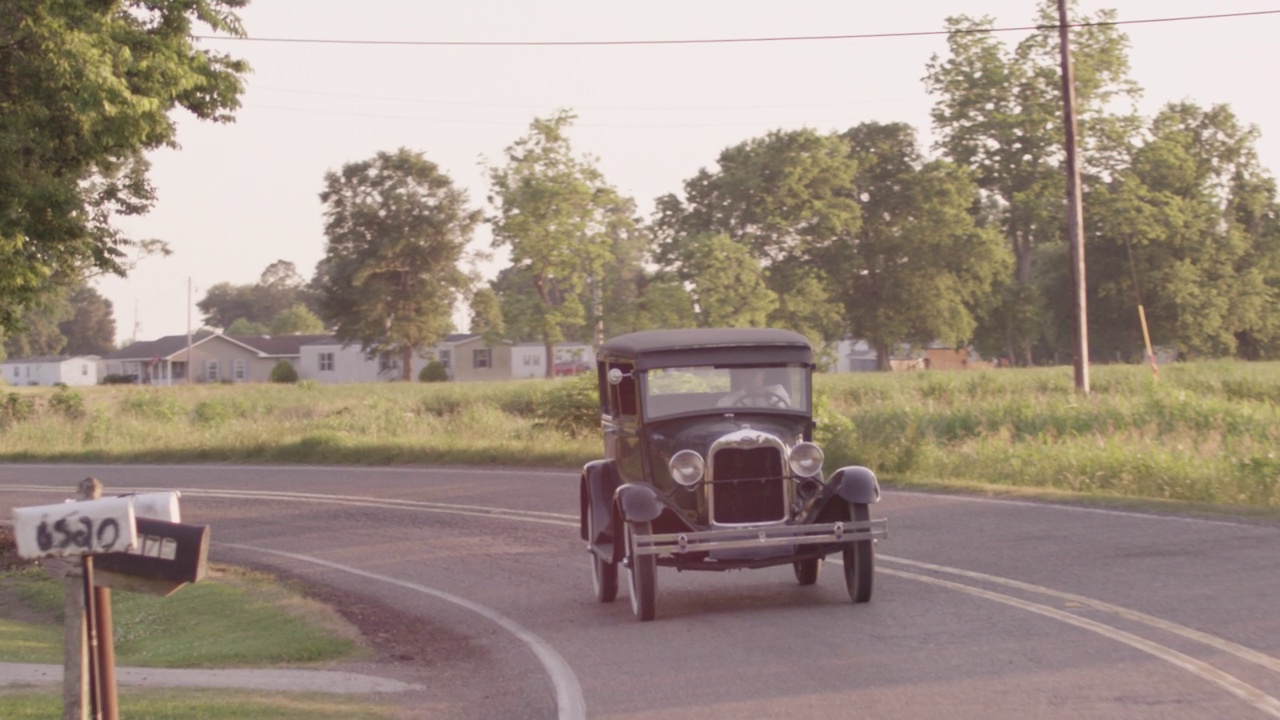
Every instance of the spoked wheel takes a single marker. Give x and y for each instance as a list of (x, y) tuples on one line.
[(859, 560), (642, 574), (807, 570), (604, 574)]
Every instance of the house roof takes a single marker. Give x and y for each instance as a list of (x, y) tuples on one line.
[(38, 359), (282, 345), (162, 348)]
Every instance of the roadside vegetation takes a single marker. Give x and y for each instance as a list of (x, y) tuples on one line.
[(234, 618), (1202, 433)]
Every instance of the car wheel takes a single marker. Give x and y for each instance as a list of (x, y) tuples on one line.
[(859, 560), (807, 570), (642, 574), (604, 574)]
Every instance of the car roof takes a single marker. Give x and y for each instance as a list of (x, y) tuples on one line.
[(708, 346)]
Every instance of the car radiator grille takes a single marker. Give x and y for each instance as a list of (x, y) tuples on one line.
[(748, 486)]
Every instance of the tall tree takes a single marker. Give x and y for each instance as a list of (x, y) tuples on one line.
[(556, 216), (727, 285), (91, 328), (486, 316), (786, 197), (296, 320), (919, 266), (1195, 223), (397, 231), (998, 111), (87, 88), (279, 288), (65, 320)]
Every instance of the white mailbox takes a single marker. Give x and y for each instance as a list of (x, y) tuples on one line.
[(156, 506), (75, 528)]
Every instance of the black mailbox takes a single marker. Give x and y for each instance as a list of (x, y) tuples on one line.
[(165, 551)]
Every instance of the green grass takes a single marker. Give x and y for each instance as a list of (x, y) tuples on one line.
[(136, 704), (1203, 433), (234, 618)]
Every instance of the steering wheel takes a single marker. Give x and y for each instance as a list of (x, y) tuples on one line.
[(770, 398)]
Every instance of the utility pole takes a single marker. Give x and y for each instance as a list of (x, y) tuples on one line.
[(1075, 210), (190, 364)]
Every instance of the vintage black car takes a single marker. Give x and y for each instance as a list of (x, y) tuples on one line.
[(710, 465)]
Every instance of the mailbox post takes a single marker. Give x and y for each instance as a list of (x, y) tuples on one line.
[(134, 542)]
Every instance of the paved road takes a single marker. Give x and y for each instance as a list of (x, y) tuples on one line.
[(982, 609)]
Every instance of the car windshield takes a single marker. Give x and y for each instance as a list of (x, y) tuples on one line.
[(677, 390)]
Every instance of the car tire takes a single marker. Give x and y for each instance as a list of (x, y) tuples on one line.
[(642, 574), (604, 574), (859, 560), (807, 570)]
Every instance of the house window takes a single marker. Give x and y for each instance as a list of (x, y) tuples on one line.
[(386, 361), (326, 362), (84, 370), (533, 360), (444, 358), (16, 372), (211, 370), (480, 358), (238, 370)]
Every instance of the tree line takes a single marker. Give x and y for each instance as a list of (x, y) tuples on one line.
[(859, 233)]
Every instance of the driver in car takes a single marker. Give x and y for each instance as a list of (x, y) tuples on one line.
[(755, 393)]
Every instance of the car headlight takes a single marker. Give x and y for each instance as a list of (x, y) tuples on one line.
[(687, 467), (806, 459)]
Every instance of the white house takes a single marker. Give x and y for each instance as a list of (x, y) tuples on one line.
[(329, 361), (50, 369)]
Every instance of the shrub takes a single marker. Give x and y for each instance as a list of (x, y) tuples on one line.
[(118, 379), (152, 405), (16, 408), (283, 372), (70, 404), (572, 407), (434, 371)]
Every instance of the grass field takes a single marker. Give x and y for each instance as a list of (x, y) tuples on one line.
[(234, 618), (1202, 433)]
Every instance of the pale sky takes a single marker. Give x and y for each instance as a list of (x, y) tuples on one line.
[(237, 197)]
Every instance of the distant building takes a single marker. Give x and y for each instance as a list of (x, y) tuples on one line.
[(50, 370)]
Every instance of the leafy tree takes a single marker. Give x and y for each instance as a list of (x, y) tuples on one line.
[(297, 320), (64, 320), (278, 289), (786, 198), (91, 328), (919, 266), (1199, 219), (36, 331), (244, 326), (87, 88), (397, 229), (556, 216), (486, 315), (726, 284), (999, 112)]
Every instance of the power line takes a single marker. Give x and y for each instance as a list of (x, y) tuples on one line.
[(727, 41), (522, 106)]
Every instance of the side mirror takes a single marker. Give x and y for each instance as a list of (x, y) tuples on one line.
[(616, 376)]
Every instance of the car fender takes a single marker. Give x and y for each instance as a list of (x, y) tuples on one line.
[(637, 502), (599, 482), (856, 484)]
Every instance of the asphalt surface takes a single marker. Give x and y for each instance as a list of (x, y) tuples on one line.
[(982, 609)]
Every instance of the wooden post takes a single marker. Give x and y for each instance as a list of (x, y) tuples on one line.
[(1075, 212), (75, 663)]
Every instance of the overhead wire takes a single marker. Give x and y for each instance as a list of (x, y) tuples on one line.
[(727, 41)]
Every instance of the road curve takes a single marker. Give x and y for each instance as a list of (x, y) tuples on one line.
[(982, 609)]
